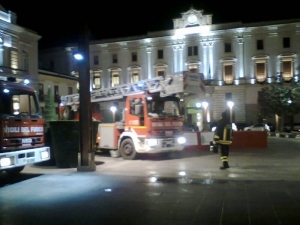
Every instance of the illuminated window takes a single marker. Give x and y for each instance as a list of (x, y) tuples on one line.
[(192, 50), (115, 79), (287, 70), (135, 76), (114, 58), (2, 53), (193, 66), (14, 59), (228, 73), (160, 54), (160, 69), (286, 42), (96, 80), (287, 63), (134, 57), (193, 69), (261, 74), (260, 67), (259, 45)]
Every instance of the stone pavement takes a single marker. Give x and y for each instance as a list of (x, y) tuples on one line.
[(261, 187)]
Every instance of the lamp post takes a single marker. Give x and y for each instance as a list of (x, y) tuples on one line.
[(86, 155), (230, 104), (113, 109)]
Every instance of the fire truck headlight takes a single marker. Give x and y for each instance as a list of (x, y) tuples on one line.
[(181, 140), (5, 162), (152, 142), (45, 155)]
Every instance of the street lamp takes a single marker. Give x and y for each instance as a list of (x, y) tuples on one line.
[(230, 104), (113, 109), (86, 160)]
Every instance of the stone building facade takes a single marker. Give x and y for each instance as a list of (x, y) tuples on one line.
[(18, 49), (236, 59)]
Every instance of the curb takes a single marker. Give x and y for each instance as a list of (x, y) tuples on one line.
[(285, 135)]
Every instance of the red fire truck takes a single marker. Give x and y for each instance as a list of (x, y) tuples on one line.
[(150, 118), (22, 128)]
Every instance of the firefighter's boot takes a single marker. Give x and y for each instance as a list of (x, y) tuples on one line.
[(225, 165)]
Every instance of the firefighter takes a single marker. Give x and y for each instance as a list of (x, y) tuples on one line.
[(223, 138)]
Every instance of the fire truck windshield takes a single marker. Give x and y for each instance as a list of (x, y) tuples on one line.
[(18, 102), (164, 107)]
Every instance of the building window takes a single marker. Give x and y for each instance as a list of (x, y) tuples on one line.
[(160, 54), (192, 50), (115, 80), (96, 60), (286, 42), (228, 74), (13, 59), (115, 58), (56, 93), (160, 69), (70, 90), (135, 76), (193, 67), (261, 72), (194, 70), (227, 47), (134, 57), (160, 73), (228, 97), (96, 80), (25, 61), (287, 70), (2, 53), (259, 45), (41, 92)]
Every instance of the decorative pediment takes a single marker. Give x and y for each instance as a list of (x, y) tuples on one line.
[(192, 18)]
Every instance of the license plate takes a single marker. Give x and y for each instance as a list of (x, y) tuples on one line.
[(169, 133)]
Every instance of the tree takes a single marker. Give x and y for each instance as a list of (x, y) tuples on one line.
[(49, 112), (281, 98)]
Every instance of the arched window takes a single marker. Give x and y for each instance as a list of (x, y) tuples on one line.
[(228, 69), (260, 67), (160, 69), (114, 74), (134, 73), (287, 62)]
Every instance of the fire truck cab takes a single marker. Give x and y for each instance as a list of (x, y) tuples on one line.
[(22, 127)]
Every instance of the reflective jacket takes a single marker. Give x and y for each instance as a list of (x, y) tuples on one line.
[(223, 133)]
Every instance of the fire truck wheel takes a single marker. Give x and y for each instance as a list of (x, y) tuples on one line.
[(127, 149), (15, 170), (67, 113)]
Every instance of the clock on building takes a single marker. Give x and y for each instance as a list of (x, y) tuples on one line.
[(192, 18)]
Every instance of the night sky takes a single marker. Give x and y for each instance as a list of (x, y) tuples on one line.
[(58, 23)]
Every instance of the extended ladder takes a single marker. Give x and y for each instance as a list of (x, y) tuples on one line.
[(172, 84)]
